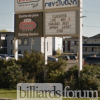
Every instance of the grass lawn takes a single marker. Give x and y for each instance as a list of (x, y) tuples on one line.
[(11, 94), (80, 99)]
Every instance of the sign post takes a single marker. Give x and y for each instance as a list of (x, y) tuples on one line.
[(16, 48), (45, 56), (48, 18), (80, 39), (28, 20)]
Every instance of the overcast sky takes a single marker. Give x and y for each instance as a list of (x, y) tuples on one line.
[(91, 9)]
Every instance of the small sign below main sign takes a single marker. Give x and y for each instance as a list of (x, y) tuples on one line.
[(29, 25), (61, 23)]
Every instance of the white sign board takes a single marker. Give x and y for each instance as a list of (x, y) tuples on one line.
[(60, 23), (28, 5), (52, 4)]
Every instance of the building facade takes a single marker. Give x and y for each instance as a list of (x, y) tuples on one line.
[(91, 45), (57, 44), (24, 44), (71, 44)]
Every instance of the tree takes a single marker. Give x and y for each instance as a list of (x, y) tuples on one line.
[(3, 30)]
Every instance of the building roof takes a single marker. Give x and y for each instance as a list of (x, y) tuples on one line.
[(84, 37), (91, 44), (6, 32), (95, 36)]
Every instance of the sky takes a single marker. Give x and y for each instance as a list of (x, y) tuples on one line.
[(91, 23)]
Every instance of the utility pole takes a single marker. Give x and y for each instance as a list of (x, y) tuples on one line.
[(80, 39), (16, 48)]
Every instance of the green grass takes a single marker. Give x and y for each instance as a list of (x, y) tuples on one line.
[(12, 94), (79, 99)]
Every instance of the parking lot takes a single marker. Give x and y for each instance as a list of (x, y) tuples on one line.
[(71, 63)]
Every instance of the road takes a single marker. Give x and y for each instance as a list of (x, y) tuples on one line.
[(71, 63)]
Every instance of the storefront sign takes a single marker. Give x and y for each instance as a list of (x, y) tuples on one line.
[(60, 23), (29, 25), (28, 5), (51, 4)]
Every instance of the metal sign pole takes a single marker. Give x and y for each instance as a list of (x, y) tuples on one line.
[(45, 42), (80, 39), (16, 48), (45, 57), (45, 48)]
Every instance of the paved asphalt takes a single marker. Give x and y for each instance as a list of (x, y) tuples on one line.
[(71, 63)]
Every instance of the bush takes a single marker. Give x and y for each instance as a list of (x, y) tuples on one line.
[(88, 80), (32, 66), (30, 69), (90, 77), (2, 64), (55, 71), (10, 75), (72, 77)]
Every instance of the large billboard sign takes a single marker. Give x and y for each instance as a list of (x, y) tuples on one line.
[(28, 5), (61, 23), (29, 25), (52, 4)]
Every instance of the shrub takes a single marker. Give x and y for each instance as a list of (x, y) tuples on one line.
[(32, 66), (55, 71), (90, 77), (2, 64), (88, 80), (72, 77), (10, 75)]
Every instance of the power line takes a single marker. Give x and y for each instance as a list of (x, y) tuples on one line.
[(92, 26), (6, 27), (5, 14), (91, 11)]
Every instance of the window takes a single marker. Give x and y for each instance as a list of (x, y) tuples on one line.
[(3, 51), (4, 43), (72, 43), (25, 41), (19, 51), (92, 49), (3, 36), (19, 41), (12, 42)]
